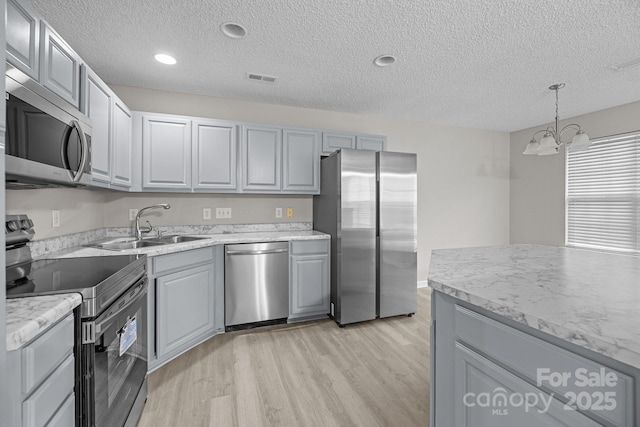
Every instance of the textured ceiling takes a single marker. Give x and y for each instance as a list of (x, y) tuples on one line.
[(482, 64)]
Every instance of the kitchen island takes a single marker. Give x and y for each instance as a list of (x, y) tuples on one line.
[(534, 335)]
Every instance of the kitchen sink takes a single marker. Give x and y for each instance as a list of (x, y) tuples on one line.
[(176, 239), (123, 245)]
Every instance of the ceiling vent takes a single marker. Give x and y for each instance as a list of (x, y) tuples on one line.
[(261, 78), (624, 65)]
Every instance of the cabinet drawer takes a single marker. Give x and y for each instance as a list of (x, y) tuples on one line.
[(181, 260), (543, 364), (304, 247), (42, 356), (46, 400)]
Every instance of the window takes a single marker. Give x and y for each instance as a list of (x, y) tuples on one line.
[(603, 195)]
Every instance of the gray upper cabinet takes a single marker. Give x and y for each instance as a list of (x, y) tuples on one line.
[(121, 167), (22, 38), (376, 143), (301, 157), (59, 66), (214, 156), (166, 153), (261, 158), (334, 141), (98, 107), (111, 138)]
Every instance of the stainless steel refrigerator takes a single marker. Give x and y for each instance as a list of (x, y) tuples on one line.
[(368, 204)]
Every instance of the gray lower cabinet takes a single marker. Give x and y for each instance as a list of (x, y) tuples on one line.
[(59, 66), (166, 153), (22, 38), (214, 156), (186, 301), (491, 371), (41, 379), (261, 158), (308, 279)]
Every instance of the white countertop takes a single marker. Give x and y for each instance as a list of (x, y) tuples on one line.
[(588, 298), (210, 240), (27, 317)]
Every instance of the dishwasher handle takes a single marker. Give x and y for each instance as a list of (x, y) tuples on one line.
[(262, 252)]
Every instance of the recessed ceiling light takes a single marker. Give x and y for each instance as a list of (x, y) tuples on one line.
[(384, 60), (233, 30), (163, 58)]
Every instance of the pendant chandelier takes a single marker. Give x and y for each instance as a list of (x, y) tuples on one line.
[(552, 138)]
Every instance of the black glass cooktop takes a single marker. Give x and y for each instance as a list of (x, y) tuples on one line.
[(51, 276)]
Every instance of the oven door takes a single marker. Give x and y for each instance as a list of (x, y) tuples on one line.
[(114, 361)]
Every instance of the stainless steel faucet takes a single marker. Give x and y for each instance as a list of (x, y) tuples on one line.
[(139, 230)]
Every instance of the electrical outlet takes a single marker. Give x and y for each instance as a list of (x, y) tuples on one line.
[(55, 218), (206, 213), (223, 213), (278, 212), (132, 214), (289, 212)]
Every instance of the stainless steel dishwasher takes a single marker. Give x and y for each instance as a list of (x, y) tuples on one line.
[(256, 285)]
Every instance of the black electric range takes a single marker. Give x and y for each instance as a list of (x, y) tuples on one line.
[(99, 279)]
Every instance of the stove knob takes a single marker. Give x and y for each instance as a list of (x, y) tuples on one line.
[(25, 224), (13, 225)]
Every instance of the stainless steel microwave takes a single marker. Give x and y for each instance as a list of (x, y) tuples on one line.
[(47, 141)]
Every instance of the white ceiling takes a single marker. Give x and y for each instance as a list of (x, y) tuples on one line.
[(482, 64)]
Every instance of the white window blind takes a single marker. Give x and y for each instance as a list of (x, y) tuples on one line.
[(603, 195)]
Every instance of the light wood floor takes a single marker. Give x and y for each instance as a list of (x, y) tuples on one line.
[(306, 374)]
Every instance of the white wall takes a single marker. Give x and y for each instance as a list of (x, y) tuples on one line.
[(537, 201), (463, 174)]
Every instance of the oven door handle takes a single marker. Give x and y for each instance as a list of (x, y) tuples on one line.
[(91, 330)]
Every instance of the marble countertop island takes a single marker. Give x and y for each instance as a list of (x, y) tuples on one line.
[(588, 298), (28, 317)]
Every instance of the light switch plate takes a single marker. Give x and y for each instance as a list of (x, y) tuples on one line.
[(278, 212), (132, 214), (223, 213), (206, 213)]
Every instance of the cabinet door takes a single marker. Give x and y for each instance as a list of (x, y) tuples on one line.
[(184, 307), (121, 156), (487, 395), (98, 109), (59, 66), (376, 143), (166, 153), (334, 141), (309, 286), (301, 168), (261, 159), (22, 39), (214, 156)]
